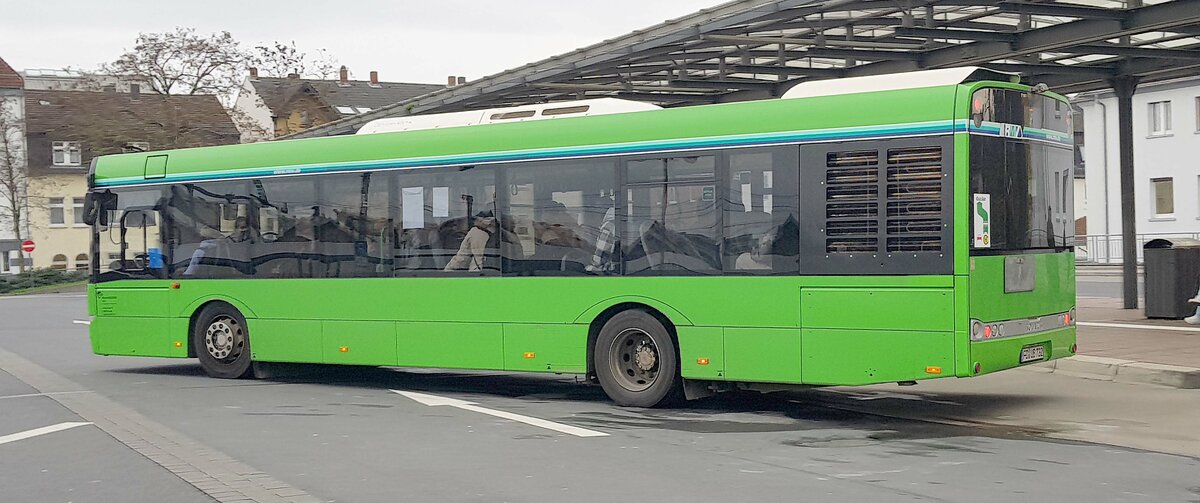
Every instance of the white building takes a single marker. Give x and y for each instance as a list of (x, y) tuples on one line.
[(1166, 150), (12, 157)]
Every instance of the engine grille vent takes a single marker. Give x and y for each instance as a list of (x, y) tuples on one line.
[(914, 196), (910, 191), (852, 202)]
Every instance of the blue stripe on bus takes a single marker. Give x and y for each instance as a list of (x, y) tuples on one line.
[(854, 133)]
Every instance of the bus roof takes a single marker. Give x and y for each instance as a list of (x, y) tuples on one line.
[(897, 81)]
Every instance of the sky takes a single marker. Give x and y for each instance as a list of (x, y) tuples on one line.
[(406, 41)]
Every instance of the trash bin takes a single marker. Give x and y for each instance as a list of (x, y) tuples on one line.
[(1172, 268)]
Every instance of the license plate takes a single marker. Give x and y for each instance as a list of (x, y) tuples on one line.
[(1033, 353)]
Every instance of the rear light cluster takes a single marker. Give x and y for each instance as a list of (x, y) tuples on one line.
[(981, 331)]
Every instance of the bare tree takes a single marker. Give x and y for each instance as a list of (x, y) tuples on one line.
[(184, 62), (280, 59), (13, 181)]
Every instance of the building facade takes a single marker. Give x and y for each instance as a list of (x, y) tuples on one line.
[(273, 106), (12, 167), (66, 129), (1166, 150)]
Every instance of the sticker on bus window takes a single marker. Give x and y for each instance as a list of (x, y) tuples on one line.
[(982, 210)]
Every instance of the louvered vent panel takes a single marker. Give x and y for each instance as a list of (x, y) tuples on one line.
[(914, 199), (852, 202)]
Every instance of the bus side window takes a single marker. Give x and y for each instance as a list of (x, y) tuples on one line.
[(562, 215), (762, 232)]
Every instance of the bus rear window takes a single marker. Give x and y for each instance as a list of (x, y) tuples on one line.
[(1009, 106)]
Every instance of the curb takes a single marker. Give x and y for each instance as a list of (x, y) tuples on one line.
[(1126, 371)]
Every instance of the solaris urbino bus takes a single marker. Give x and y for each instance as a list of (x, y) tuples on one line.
[(858, 231)]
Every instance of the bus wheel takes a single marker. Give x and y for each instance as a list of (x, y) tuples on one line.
[(222, 342), (636, 362)]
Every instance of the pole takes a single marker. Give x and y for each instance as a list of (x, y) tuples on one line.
[(1124, 87)]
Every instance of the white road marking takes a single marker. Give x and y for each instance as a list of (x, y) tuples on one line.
[(82, 322), (1136, 326), (435, 401), (39, 431), (45, 394)]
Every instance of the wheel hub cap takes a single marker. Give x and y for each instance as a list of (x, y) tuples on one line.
[(222, 338), (645, 357), (633, 360)]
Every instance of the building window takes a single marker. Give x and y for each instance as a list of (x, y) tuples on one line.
[(59, 263), (57, 211), (77, 211), (1164, 197), (81, 262), (67, 153), (136, 146), (1160, 118)]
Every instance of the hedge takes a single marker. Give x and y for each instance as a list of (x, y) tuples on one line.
[(39, 277)]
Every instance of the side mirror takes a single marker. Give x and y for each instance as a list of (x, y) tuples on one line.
[(96, 206)]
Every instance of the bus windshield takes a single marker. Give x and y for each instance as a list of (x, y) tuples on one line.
[(1028, 180)]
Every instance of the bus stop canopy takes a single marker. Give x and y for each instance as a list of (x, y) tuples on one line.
[(756, 49)]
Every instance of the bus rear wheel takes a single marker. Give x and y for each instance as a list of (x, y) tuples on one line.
[(635, 360), (222, 342)]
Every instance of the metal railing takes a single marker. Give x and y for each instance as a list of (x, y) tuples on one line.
[(1107, 248)]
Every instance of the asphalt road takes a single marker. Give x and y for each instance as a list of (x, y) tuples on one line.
[(342, 434)]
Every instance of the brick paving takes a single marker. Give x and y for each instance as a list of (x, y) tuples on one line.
[(1170, 347)]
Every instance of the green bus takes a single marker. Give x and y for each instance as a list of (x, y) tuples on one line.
[(859, 231)]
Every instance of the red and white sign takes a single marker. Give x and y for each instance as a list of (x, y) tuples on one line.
[(27, 246)]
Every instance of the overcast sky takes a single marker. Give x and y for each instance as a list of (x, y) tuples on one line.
[(406, 41)]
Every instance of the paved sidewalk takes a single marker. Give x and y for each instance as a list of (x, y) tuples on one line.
[(1155, 344), (1118, 344)]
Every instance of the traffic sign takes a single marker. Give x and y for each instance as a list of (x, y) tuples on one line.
[(27, 246)]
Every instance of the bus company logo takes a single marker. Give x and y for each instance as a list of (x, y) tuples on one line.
[(1010, 130)]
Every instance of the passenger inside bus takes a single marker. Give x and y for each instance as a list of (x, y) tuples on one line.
[(471, 253)]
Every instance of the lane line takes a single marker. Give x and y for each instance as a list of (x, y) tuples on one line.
[(435, 401), (82, 322), (46, 394), (39, 431), (1136, 326)]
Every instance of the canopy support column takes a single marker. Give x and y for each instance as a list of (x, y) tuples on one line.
[(1124, 87)]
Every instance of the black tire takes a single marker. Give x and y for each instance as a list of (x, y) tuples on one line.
[(222, 342), (636, 361)]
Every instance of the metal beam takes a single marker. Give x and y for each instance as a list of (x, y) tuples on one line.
[(955, 34), (1042, 69), (1061, 10), (1124, 87), (1134, 51), (756, 41), (566, 86), (830, 52)]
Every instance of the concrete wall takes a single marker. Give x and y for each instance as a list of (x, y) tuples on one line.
[(254, 122)]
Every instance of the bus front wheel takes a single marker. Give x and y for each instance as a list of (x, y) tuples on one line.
[(635, 360), (222, 342)]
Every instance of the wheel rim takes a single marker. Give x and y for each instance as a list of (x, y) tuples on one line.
[(633, 360), (225, 339)]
